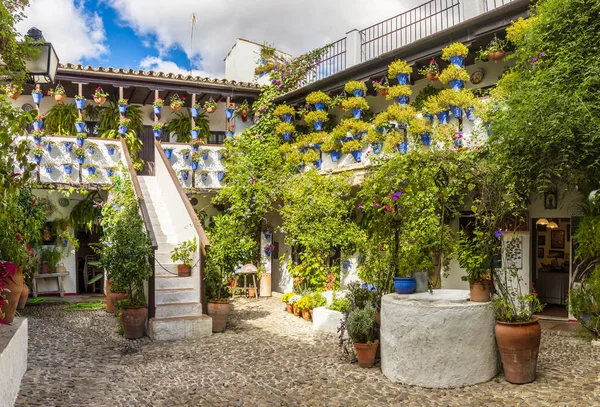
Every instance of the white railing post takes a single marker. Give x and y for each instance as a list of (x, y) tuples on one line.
[(471, 8), (353, 48)]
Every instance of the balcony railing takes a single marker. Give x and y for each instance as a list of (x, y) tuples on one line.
[(333, 61)]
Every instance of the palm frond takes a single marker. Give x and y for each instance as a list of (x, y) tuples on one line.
[(60, 120)]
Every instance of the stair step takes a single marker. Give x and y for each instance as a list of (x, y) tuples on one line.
[(167, 282), (170, 329), (165, 269), (184, 309), (178, 295)]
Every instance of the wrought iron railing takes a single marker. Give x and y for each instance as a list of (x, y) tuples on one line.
[(410, 26), (489, 5), (333, 61)]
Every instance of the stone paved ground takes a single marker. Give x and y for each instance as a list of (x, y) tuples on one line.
[(266, 358)]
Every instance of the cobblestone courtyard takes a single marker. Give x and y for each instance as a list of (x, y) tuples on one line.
[(267, 357)]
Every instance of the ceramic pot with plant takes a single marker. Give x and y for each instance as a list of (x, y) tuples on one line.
[(23, 297), (177, 102), (292, 301), (431, 72), (37, 95), (157, 105), (100, 96), (185, 254), (356, 105), (381, 87), (122, 106), (285, 298), (318, 99), (362, 330), (13, 91), (304, 305), (58, 93), (210, 106), (400, 70), (356, 88), (11, 285), (455, 53)]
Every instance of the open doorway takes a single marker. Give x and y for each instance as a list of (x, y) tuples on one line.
[(552, 265)]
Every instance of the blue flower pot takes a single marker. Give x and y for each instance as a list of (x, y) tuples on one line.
[(368, 287), (37, 140), (157, 134), (300, 167), (37, 98), (267, 253), (186, 156), (403, 147), (220, 175), (376, 146), (229, 113), (122, 109), (426, 139), (194, 165), (157, 109), (122, 130), (428, 116), (357, 113), (185, 175), (471, 114), (80, 160), (316, 146), (229, 133), (347, 139), (194, 112), (205, 155), (49, 147), (203, 177), (80, 127), (405, 285), (402, 78), (403, 100), (287, 117), (456, 84), (358, 93), (91, 170), (80, 141), (457, 61), (318, 164), (286, 136), (267, 235), (357, 155), (48, 170), (456, 111), (443, 117), (90, 150), (109, 172), (37, 125), (168, 153), (79, 103), (68, 168), (346, 265), (303, 149), (320, 106), (335, 155), (380, 129), (195, 134), (68, 146), (65, 242), (195, 149), (318, 125)]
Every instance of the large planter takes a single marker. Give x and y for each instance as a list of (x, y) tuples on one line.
[(134, 321), (306, 314), (519, 345), (183, 270), (480, 291), (113, 298), (405, 285), (219, 312), (23, 297), (12, 295), (365, 353)]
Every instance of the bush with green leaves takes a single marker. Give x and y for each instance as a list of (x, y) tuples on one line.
[(185, 251), (361, 325), (340, 304)]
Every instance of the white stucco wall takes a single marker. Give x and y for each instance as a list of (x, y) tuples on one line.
[(241, 61), (13, 359)]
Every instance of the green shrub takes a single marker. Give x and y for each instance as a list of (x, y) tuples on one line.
[(339, 304), (361, 325), (286, 297)]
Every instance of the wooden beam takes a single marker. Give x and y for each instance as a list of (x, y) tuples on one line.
[(147, 97), (131, 94)]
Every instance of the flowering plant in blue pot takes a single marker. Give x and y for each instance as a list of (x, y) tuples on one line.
[(196, 132), (196, 157), (319, 99), (48, 145), (168, 152), (454, 76), (122, 106), (268, 248), (111, 148), (110, 171), (91, 169), (68, 168), (195, 110), (285, 130), (157, 130), (38, 122), (400, 93), (80, 139), (356, 105), (158, 105), (220, 175), (284, 112), (229, 110), (185, 153), (48, 167), (79, 102), (455, 53), (400, 70), (353, 147), (356, 88), (185, 174), (80, 154), (203, 175), (316, 119), (37, 153), (79, 124), (68, 146), (37, 136), (123, 123), (37, 95)]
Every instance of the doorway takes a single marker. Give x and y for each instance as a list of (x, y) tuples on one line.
[(552, 265)]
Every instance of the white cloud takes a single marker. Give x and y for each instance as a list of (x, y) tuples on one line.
[(292, 26), (74, 32), (161, 65)]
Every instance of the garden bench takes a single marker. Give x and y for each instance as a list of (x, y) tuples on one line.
[(59, 282)]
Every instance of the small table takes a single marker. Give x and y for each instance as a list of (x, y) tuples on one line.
[(59, 282), (254, 286)]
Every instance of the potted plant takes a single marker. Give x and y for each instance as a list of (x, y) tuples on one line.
[(195, 110), (100, 96), (375, 139), (37, 95), (495, 51), (111, 148), (79, 102), (11, 285), (455, 53), (285, 298), (316, 119), (353, 147), (318, 99), (177, 102), (157, 130), (203, 175), (185, 153), (38, 122), (357, 105), (284, 112), (185, 254), (229, 111), (185, 174), (356, 88), (123, 124), (196, 156), (79, 124), (80, 139), (518, 332), (158, 105), (401, 93), (431, 72), (91, 169), (293, 302), (196, 132), (37, 136), (455, 76), (476, 256), (362, 330), (48, 145), (210, 106), (304, 305), (122, 105), (80, 154), (110, 171), (68, 146), (242, 111), (230, 129), (285, 130), (58, 93), (48, 167), (268, 249), (37, 153), (196, 144), (205, 154), (333, 146), (400, 70), (381, 87), (13, 91)]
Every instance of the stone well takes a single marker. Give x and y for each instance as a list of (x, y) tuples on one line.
[(439, 340)]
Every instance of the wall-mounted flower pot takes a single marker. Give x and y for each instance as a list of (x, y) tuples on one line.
[(318, 125), (80, 160), (60, 98), (175, 107), (195, 149), (79, 103), (91, 170), (157, 109), (49, 147), (68, 146), (267, 235), (496, 56), (186, 156), (457, 84), (122, 109), (203, 177), (80, 141), (122, 130), (320, 106), (37, 140), (194, 112), (357, 113), (286, 136), (220, 175), (403, 147), (403, 100), (110, 172), (229, 113), (428, 116), (205, 155), (168, 152), (318, 164), (37, 125), (335, 155), (287, 117), (90, 150), (358, 93), (426, 139), (185, 175), (37, 158), (300, 167), (457, 61), (443, 117), (157, 134), (48, 169), (376, 146), (316, 146), (37, 98), (229, 134), (346, 264), (194, 165), (195, 134), (405, 285), (68, 168), (456, 111), (402, 78), (471, 114), (357, 155), (100, 100)]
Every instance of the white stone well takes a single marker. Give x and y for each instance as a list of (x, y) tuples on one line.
[(439, 340)]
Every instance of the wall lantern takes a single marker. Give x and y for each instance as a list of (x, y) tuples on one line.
[(43, 68), (542, 222)]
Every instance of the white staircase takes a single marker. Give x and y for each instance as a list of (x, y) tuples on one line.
[(178, 307)]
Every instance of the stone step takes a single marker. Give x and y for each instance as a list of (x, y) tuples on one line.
[(165, 269), (186, 309), (170, 329), (164, 282), (176, 295)]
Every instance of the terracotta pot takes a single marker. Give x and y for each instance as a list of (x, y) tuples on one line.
[(251, 292), (15, 96), (290, 308), (383, 91), (432, 77), (244, 113), (519, 344), (175, 107), (296, 312), (23, 297), (114, 297), (184, 270), (134, 321), (99, 100), (60, 98), (210, 110), (480, 291), (12, 297), (496, 56), (219, 312), (44, 269), (306, 314), (365, 353)]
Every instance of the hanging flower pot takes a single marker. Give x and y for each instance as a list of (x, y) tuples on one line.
[(194, 111), (68, 146), (175, 108), (111, 150), (318, 164), (376, 146), (60, 98), (428, 116), (287, 136), (496, 55), (122, 109), (184, 175), (37, 125), (320, 106), (194, 165), (287, 117), (357, 155), (229, 113), (426, 139), (80, 141), (432, 77), (185, 155), (48, 168), (358, 93), (157, 134), (157, 109), (318, 125), (110, 172), (335, 155), (470, 114), (403, 100), (37, 139), (443, 116), (68, 168), (205, 155), (229, 134), (100, 100), (405, 285), (457, 84), (220, 175), (402, 78), (80, 160), (91, 170), (403, 147), (357, 113), (48, 146), (90, 149), (456, 111), (195, 134), (203, 177), (80, 127), (37, 97), (168, 152), (457, 60), (79, 103), (122, 130), (383, 91)]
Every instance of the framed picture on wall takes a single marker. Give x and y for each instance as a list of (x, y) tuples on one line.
[(542, 240), (557, 239), (550, 200), (540, 252)]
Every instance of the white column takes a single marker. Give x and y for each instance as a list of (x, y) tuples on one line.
[(353, 49)]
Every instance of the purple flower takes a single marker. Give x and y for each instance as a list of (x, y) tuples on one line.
[(541, 54), (405, 180), (390, 175), (397, 195), (377, 204), (498, 233), (534, 59), (360, 207)]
